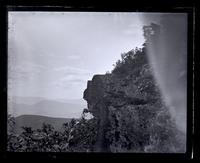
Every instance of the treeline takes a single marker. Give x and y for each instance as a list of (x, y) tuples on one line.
[(78, 135)]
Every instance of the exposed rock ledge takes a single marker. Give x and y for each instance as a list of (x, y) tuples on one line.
[(130, 114)]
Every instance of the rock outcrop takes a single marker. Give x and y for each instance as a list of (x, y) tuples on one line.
[(131, 115)]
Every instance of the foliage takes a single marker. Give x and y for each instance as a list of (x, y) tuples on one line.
[(131, 61), (77, 135)]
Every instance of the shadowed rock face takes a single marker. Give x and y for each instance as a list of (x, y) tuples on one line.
[(130, 112), (95, 96), (94, 93)]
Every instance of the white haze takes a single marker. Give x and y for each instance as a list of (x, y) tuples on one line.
[(169, 61)]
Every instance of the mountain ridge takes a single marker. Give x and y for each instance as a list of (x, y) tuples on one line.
[(49, 108), (36, 122)]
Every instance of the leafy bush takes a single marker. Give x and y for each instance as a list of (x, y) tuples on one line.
[(78, 135), (130, 61)]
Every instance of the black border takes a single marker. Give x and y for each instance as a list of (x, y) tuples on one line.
[(196, 66), (118, 6)]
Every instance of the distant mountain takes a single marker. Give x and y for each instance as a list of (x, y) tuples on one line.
[(34, 100), (26, 100), (72, 101), (36, 121), (38, 106)]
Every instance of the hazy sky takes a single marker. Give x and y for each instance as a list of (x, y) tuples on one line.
[(52, 55)]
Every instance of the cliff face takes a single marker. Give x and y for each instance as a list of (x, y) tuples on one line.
[(131, 115)]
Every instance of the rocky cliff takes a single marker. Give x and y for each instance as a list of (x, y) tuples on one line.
[(128, 106)]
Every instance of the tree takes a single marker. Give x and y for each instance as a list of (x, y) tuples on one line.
[(11, 124)]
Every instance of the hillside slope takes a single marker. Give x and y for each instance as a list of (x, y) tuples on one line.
[(36, 121), (49, 108)]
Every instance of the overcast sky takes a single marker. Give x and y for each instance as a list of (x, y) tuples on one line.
[(52, 55)]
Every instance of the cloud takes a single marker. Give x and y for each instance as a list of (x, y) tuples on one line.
[(129, 32), (24, 71), (77, 80), (71, 78), (72, 70), (73, 57), (70, 86), (133, 29), (70, 81), (135, 26)]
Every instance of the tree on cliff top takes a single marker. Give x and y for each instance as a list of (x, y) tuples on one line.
[(130, 61)]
